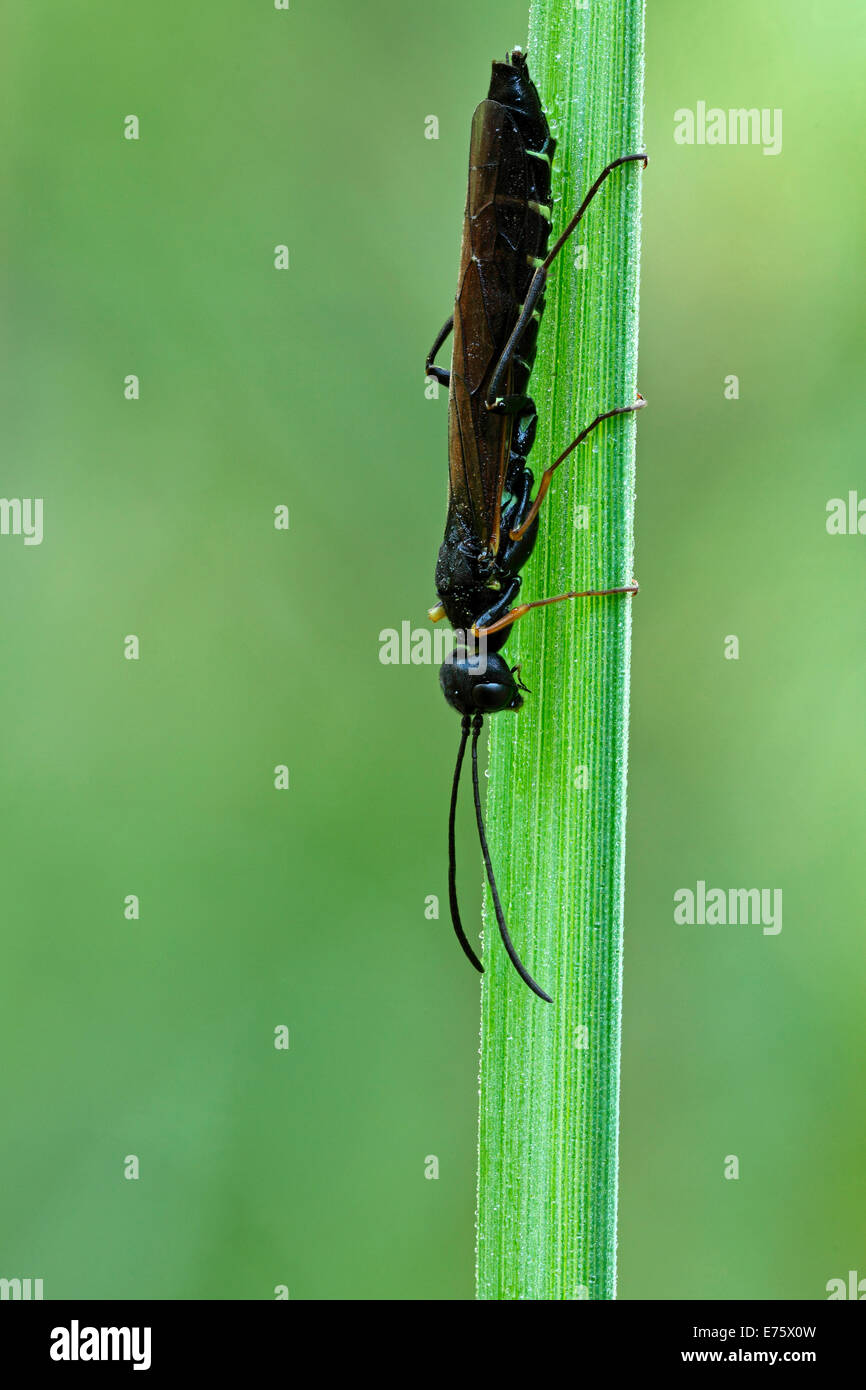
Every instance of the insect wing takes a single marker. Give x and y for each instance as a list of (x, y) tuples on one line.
[(493, 276)]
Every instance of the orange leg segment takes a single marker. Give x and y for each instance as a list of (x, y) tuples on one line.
[(523, 608), (549, 472)]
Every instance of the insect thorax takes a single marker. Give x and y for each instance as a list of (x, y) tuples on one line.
[(469, 580)]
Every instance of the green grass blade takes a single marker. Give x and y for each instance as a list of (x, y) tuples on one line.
[(549, 1074)]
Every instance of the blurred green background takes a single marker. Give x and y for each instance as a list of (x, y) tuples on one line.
[(259, 647)]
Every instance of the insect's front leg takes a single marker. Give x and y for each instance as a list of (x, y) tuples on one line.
[(506, 620), (501, 606)]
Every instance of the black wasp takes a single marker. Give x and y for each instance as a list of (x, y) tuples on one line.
[(492, 518)]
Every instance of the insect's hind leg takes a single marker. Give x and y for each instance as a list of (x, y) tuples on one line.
[(440, 374), (539, 279), (588, 197)]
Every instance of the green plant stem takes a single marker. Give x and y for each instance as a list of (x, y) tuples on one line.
[(549, 1075)]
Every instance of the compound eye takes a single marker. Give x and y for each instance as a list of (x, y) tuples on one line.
[(490, 697)]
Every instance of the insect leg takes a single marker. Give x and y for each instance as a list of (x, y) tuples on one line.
[(536, 288), (513, 405), (491, 616), (440, 374), (539, 279), (519, 484), (522, 608), (608, 169), (548, 473)]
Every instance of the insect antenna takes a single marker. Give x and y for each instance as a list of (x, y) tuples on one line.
[(500, 916), (452, 855)]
